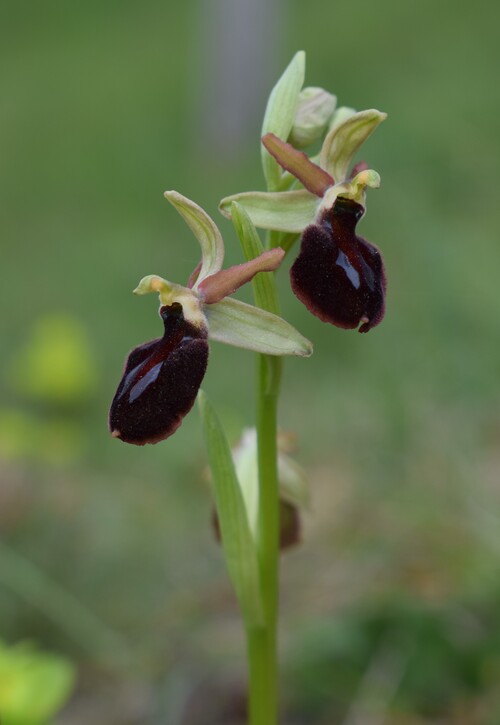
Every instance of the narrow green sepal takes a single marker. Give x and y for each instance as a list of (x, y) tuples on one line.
[(286, 211), (341, 114), (206, 232), (236, 323), (344, 140), (280, 113), (239, 545)]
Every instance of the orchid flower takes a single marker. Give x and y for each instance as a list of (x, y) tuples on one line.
[(338, 275), (161, 378)]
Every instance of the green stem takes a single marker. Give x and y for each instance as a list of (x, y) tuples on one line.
[(262, 641)]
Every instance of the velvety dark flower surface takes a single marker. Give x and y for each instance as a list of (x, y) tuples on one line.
[(339, 276), (160, 381)]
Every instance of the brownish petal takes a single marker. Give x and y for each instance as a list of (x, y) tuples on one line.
[(194, 275), (313, 177), (221, 284)]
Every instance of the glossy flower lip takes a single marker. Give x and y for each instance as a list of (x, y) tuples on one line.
[(160, 381), (339, 276)]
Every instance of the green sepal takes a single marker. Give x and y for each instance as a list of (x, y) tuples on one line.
[(344, 140), (238, 543), (236, 323), (341, 114), (287, 211), (280, 113), (206, 232)]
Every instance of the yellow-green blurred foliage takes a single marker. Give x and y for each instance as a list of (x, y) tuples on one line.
[(33, 685), (56, 365)]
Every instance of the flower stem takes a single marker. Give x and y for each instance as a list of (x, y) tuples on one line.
[(262, 641)]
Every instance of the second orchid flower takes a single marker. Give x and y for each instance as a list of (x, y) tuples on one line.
[(338, 275)]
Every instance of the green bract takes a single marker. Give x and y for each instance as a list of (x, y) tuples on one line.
[(238, 539), (280, 113)]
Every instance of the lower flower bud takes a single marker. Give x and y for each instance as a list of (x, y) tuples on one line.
[(339, 276), (160, 381), (290, 526)]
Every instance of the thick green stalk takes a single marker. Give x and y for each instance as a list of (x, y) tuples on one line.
[(262, 642)]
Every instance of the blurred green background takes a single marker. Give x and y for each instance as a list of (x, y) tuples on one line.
[(390, 606)]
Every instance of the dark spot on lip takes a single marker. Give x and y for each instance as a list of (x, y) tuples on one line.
[(338, 275), (160, 381)]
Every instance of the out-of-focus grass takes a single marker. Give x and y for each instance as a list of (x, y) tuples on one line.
[(399, 429)]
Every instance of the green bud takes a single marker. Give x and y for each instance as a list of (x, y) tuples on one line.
[(315, 108)]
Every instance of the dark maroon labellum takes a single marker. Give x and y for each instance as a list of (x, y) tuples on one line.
[(339, 276), (160, 381)]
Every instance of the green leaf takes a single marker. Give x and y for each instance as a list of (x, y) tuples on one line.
[(236, 323), (264, 286), (280, 113), (285, 211), (239, 546), (344, 140), (206, 232)]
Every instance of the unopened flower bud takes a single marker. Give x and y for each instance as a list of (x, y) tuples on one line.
[(316, 107), (290, 526)]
